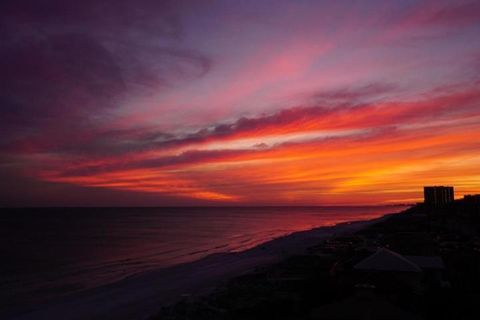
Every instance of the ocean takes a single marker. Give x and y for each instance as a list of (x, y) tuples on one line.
[(50, 253)]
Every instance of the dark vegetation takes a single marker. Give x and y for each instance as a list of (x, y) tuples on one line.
[(323, 284)]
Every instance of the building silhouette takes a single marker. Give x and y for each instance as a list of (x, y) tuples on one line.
[(438, 195), (472, 198)]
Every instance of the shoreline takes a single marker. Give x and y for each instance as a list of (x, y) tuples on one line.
[(141, 295)]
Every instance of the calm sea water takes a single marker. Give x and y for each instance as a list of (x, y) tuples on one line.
[(48, 253)]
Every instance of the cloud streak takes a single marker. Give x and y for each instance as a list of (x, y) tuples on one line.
[(394, 143), (273, 103)]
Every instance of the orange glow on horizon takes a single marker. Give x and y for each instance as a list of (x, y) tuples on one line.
[(364, 167), (286, 104)]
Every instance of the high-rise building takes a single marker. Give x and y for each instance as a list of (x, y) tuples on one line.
[(438, 195)]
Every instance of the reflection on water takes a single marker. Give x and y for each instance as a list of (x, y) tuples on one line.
[(52, 252)]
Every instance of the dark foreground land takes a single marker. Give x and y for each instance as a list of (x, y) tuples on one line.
[(329, 283)]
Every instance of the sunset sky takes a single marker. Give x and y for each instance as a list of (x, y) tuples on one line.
[(136, 102)]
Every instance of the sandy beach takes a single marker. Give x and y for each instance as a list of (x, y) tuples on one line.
[(139, 296)]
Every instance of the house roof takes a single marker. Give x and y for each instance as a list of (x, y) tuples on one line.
[(387, 260), (427, 262)]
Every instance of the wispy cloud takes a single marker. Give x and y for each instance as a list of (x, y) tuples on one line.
[(275, 103)]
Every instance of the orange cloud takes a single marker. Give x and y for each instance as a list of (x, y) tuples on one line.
[(374, 166)]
